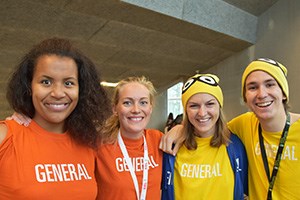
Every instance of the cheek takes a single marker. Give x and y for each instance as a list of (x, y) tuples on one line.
[(249, 96), (74, 95), (38, 93), (190, 114), (215, 111), (121, 112)]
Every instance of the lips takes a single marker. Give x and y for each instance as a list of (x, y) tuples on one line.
[(57, 106), (135, 118), (264, 104), (203, 120)]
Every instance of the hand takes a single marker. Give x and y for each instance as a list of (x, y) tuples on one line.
[(172, 140), (20, 119)]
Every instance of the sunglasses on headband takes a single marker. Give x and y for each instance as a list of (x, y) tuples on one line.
[(272, 62), (202, 78)]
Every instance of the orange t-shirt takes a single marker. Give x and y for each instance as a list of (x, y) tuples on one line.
[(115, 181), (36, 164)]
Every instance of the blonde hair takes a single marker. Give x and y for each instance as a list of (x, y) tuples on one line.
[(112, 125), (221, 136)]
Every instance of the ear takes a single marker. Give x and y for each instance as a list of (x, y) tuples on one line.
[(284, 98), (114, 111)]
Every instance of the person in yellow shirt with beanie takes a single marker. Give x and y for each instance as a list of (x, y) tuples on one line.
[(212, 163)]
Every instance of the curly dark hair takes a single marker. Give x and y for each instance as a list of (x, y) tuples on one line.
[(93, 106)]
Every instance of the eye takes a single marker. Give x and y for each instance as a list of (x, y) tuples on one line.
[(69, 83), (46, 82), (251, 87), (211, 103), (270, 85), (144, 103), (127, 103), (193, 105)]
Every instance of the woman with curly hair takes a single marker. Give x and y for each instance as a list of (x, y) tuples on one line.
[(53, 157)]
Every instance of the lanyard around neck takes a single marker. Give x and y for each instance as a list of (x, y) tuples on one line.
[(139, 196), (278, 154)]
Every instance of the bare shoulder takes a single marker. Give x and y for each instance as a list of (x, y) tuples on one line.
[(294, 117), (3, 132)]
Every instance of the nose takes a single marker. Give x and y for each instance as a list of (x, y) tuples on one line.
[(58, 91), (261, 92), (135, 108), (202, 111)]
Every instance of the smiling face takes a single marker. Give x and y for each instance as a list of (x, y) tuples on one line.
[(134, 109), (203, 111), (55, 91), (263, 95)]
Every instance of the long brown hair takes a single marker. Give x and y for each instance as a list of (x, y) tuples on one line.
[(220, 137)]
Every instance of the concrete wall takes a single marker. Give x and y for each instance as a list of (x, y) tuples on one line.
[(278, 37), (159, 114)]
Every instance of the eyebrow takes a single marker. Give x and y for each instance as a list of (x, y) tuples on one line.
[(192, 102), (265, 81), (132, 98)]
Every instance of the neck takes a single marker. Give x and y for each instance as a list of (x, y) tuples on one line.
[(50, 127), (275, 124), (132, 136)]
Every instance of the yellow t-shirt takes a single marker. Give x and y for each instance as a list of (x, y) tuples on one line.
[(204, 173), (287, 183)]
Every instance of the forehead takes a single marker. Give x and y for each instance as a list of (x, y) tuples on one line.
[(202, 97), (55, 64), (134, 90), (258, 75)]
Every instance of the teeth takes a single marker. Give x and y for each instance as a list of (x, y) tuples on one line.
[(203, 120), (136, 119), (57, 105), (264, 104)]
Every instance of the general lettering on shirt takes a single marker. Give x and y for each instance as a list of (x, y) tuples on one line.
[(271, 150), (200, 171), (61, 172), (137, 163)]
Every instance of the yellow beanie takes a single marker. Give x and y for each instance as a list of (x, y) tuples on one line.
[(272, 67), (202, 83)]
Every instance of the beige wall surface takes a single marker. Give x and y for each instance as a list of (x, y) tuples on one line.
[(278, 37)]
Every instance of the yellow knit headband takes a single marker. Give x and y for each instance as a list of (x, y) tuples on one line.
[(202, 83), (272, 67)]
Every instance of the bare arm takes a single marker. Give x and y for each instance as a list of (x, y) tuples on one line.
[(3, 132), (174, 136)]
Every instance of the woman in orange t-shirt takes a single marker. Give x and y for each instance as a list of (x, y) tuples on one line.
[(53, 157), (129, 160)]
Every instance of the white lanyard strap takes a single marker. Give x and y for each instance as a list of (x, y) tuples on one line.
[(132, 171)]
